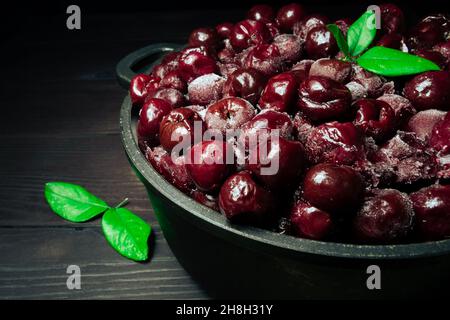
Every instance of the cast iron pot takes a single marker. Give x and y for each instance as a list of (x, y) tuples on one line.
[(232, 261)]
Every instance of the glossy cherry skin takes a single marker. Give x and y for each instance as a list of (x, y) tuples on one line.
[(385, 217), (402, 107), (288, 15), (177, 125), (150, 117), (428, 32), (242, 200), (334, 142), (229, 113), (170, 62), (440, 135), (300, 70), (429, 90), (392, 18), (204, 37), (174, 97), (302, 28), (333, 69), (206, 89), (247, 33), (310, 222), (195, 62), (279, 164), (245, 83), (423, 122), (444, 49), (333, 188), (174, 80), (320, 43), (224, 30), (266, 58), (432, 209), (280, 93), (375, 118), (172, 169), (209, 163), (140, 86), (323, 99), (261, 12)]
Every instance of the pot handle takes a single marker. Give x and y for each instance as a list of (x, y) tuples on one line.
[(140, 60)]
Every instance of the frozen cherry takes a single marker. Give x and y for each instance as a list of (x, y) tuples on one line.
[(266, 58), (429, 31), (334, 142), (280, 93), (195, 62), (174, 97), (385, 217), (245, 83), (375, 118), (310, 222), (432, 209), (288, 15), (333, 69), (289, 46), (172, 169), (140, 86), (322, 99), (333, 188), (204, 37), (242, 200), (261, 12), (440, 135), (320, 43), (429, 90), (174, 80), (402, 107), (224, 30), (277, 163), (209, 163), (229, 113), (150, 117), (302, 28), (206, 89), (300, 70), (178, 125), (392, 18), (247, 33), (423, 122), (444, 49)]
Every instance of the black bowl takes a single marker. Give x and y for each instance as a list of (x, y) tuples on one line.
[(233, 261)]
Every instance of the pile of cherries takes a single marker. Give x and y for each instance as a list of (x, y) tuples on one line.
[(362, 158)]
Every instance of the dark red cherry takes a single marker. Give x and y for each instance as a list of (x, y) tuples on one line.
[(323, 99), (150, 117), (429, 90), (428, 32), (205, 199), (334, 142), (206, 89), (209, 163), (423, 122), (266, 58), (333, 69), (402, 107), (245, 83), (140, 86), (433, 56), (300, 70), (174, 80), (440, 135), (277, 163), (310, 222), (280, 93), (432, 208), (242, 200), (172, 169), (375, 118), (195, 62), (391, 40), (178, 126), (204, 37), (289, 46), (392, 18), (247, 33), (261, 12), (228, 113), (224, 30), (174, 97), (444, 49), (302, 28), (385, 217), (333, 188), (320, 43), (288, 15)]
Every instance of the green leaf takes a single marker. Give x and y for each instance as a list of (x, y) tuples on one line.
[(390, 62), (126, 233), (340, 39), (361, 33), (73, 202)]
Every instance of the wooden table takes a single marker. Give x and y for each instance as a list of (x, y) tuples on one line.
[(60, 122)]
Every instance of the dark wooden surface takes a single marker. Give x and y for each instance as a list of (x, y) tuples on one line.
[(60, 108)]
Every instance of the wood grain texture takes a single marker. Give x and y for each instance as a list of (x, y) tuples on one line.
[(60, 110)]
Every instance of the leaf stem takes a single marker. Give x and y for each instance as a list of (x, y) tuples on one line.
[(122, 203)]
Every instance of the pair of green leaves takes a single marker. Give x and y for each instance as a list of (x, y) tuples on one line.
[(126, 233), (380, 60)]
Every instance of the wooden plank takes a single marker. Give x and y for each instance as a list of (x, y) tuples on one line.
[(34, 261)]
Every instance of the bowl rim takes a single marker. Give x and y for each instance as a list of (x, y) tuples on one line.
[(262, 236)]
